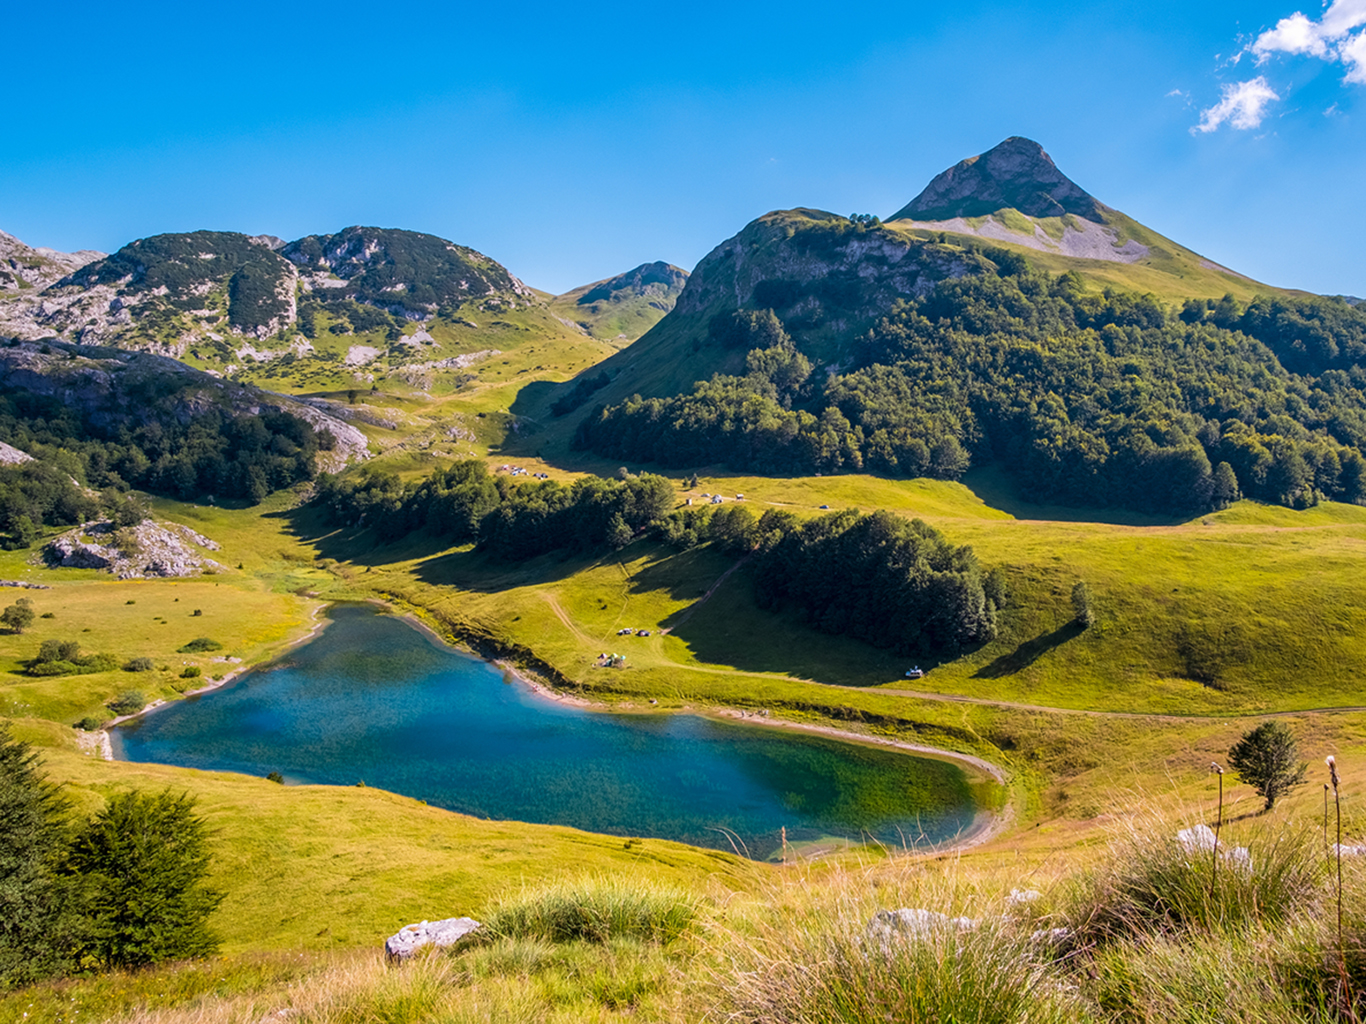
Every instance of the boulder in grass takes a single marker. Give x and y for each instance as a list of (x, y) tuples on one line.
[(413, 937), (914, 923)]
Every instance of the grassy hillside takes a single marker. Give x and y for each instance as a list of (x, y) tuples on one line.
[(620, 309)]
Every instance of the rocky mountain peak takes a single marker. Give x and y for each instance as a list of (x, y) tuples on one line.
[(647, 279), (1016, 174)]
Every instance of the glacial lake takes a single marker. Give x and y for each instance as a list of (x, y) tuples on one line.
[(374, 699)]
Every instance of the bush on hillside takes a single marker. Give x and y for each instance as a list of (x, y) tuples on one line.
[(130, 702), (199, 645), (1158, 883), (830, 969), (64, 658)]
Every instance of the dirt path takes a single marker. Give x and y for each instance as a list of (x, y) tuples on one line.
[(703, 599), (566, 621)]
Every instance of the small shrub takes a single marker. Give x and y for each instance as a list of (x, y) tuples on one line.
[(275, 777), (191, 672), (130, 601), (127, 703), (91, 723), (197, 613), (201, 644), (139, 665), (53, 668), (48, 615), (595, 910), (97, 663)]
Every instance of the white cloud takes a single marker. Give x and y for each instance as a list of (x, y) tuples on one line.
[(1353, 54), (1295, 34), (1243, 106), (1329, 38)]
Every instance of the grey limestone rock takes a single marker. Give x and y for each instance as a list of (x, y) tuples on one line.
[(410, 938)]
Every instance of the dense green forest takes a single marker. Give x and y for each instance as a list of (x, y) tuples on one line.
[(214, 453), (1088, 399), (464, 503), (878, 578)]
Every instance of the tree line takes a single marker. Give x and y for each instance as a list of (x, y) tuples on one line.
[(1089, 399), (214, 453), (877, 578), (463, 503)]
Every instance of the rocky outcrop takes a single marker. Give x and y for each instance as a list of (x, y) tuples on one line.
[(149, 549), (410, 938), (11, 456), (914, 923), (1017, 174), (23, 267)]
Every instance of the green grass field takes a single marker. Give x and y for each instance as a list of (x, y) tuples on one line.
[(1202, 626)]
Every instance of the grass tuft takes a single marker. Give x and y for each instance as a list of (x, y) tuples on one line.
[(596, 910), (1153, 884)]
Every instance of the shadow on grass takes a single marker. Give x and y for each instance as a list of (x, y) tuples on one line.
[(1028, 652), (996, 489), (731, 630)]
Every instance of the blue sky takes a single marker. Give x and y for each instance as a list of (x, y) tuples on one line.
[(572, 143)]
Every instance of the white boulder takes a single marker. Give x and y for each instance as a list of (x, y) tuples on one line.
[(410, 938)]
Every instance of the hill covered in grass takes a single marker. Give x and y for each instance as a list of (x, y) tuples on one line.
[(622, 308)]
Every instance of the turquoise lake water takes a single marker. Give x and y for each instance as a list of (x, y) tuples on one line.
[(374, 699)]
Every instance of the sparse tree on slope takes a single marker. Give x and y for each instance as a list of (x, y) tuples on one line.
[(1267, 759), (143, 860)]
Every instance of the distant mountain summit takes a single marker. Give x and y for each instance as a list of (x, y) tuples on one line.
[(172, 293), (624, 307), (1015, 193), (24, 268), (1017, 174), (407, 272), (658, 281)]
